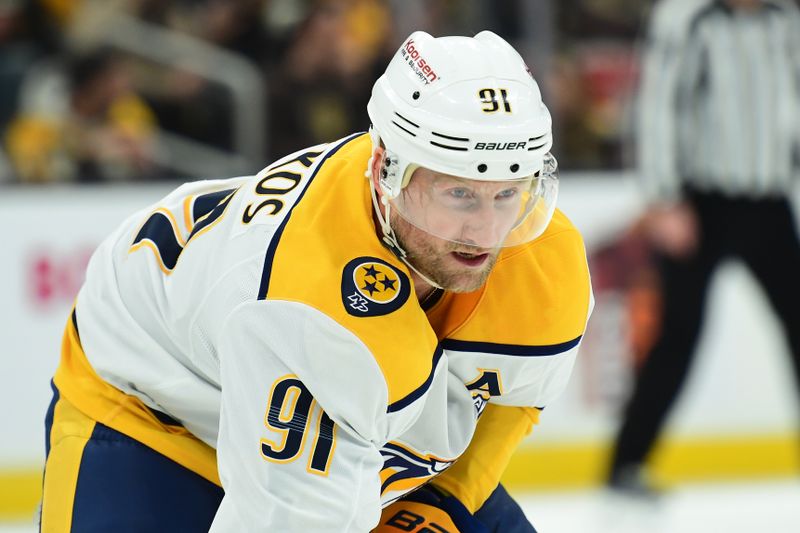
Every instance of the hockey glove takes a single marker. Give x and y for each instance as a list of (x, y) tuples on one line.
[(428, 510)]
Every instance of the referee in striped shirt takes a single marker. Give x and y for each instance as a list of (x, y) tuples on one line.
[(719, 123)]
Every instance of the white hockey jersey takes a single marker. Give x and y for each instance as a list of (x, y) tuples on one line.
[(256, 331)]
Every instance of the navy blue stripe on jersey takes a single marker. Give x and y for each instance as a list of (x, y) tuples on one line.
[(75, 324), (419, 391), (273, 245), (223, 198), (204, 203), (159, 230), (510, 349), (48, 418), (124, 486), (432, 299)]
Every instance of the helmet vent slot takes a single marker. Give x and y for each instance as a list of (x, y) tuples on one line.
[(404, 129), (443, 136), (451, 146), (405, 119), (538, 138), (446, 147)]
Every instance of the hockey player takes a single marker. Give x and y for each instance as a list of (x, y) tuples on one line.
[(311, 350)]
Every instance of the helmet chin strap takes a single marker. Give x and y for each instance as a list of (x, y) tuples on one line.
[(389, 238)]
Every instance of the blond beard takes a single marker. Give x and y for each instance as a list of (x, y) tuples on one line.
[(429, 254)]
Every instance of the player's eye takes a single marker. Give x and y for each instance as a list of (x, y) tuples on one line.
[(507, 194), (459, 192)]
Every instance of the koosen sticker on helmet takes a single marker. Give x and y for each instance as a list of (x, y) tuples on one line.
[(421, 67)]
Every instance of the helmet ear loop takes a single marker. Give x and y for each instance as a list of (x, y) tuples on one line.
[(384, 179), (384, 215), (390, 185)]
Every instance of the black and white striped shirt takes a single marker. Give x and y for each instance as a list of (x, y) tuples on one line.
[(719, 103)]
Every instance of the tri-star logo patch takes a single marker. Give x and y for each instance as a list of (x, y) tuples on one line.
[(373, 287)]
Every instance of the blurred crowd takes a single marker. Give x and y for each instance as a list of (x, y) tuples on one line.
[(121, 90)]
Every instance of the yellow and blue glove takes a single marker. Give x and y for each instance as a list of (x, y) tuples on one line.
[(428, 510)]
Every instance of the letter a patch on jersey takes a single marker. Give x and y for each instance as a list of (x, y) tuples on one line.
[(373, 287)]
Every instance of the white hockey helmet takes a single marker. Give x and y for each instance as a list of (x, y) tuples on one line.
[(466, 107)]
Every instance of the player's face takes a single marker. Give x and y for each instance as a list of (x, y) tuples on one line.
[(454, 267), (477, 214), (452, 227)]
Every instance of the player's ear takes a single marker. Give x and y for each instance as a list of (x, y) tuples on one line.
[(376, 165)]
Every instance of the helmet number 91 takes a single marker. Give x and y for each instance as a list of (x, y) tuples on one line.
[(489, 100)]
